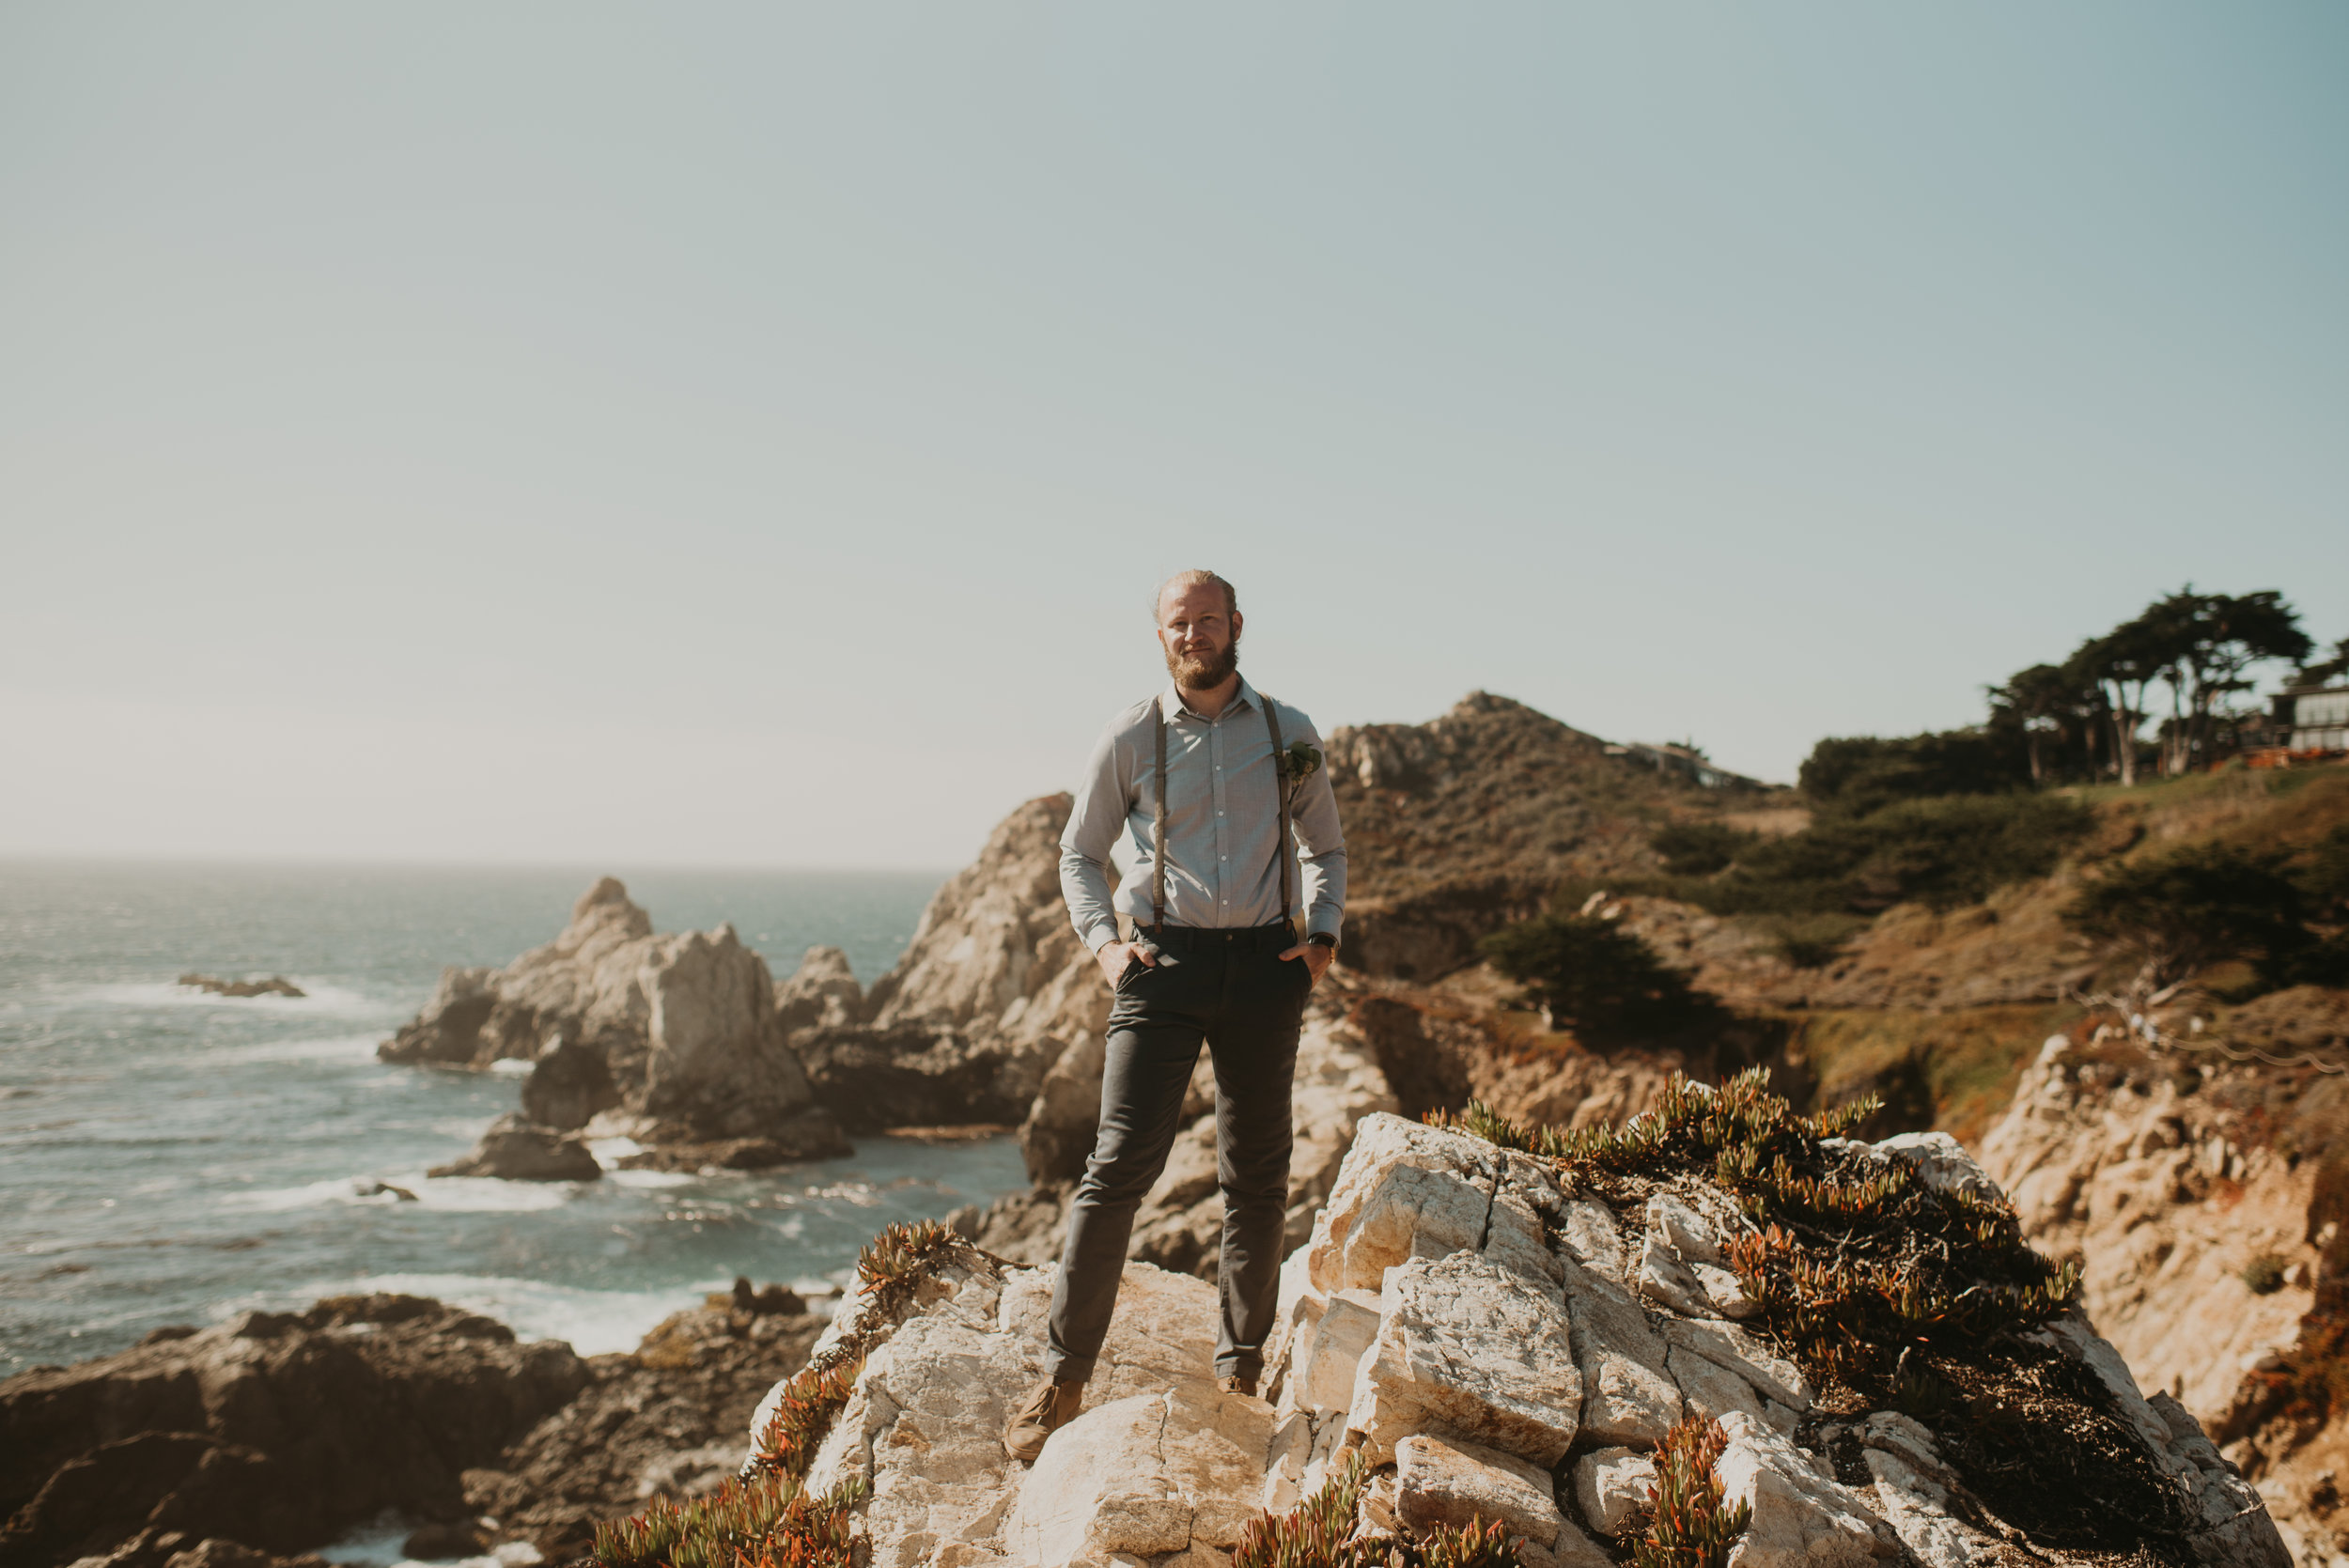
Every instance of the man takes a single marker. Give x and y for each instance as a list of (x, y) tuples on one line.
[(1196, 778)]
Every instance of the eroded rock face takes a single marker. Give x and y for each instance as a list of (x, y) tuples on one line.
[(993, 990), (672, 1041), (1470, 1350), (274, 1431), (923, 1427)]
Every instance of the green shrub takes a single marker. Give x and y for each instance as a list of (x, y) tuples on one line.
[(1942, 852), (2201, 906), (1593, 973), (1855, 775), (1699, 848), (2324, 880), (1811, 941)]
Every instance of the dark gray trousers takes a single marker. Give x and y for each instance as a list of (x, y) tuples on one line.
[(1232, 990)]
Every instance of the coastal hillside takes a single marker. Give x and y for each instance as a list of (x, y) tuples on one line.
[(1919, 951)]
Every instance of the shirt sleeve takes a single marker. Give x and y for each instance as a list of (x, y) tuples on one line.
[(1095, 822), (1320, 843)]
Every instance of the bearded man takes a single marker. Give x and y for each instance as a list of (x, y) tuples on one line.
[(1209, 780)]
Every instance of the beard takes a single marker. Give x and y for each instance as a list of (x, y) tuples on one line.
[(1203, 673)]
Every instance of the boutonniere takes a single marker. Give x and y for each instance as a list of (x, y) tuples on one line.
[(1299, 763)]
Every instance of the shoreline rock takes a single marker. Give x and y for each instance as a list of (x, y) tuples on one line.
[(276, 985), (672, 1041), (516, 1149), (252, 1444)]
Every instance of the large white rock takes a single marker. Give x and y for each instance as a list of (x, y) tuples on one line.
[(1401, 1182), (1671, 1284), (1912, 1493), (1589, 1234), (1143, 1476), (1611, 1484), (1343, 1337), (1802, 1516), (1627, 1395), (1444, 1483), (1468, 1349), (1683, 1229), (1739, 1350), (923, 1428), (1712, 1392)]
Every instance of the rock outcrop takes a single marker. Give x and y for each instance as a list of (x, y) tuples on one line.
[(1180, 1223), (2205, 1198), (672, 1041), (993, 989), (665, 1421), (276, 985), (520, 1151), (273, 1432), (231, 1447), (1483, 1331)]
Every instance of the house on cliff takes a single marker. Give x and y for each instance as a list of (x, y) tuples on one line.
[(1688, 761)]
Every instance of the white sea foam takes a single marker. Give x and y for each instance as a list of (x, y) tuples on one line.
[(453, 1194), (648, 1178), (511, 1067), (594, 1320), (610, 1151), (349, 1048), (319, 998), (378, 1544)]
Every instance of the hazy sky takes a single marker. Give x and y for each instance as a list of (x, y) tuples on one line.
[(749, 434)]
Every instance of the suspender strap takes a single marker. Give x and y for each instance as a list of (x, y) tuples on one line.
[(1280, 791), (1158, 828)]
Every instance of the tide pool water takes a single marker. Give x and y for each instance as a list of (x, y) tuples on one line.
[(168, 1156)]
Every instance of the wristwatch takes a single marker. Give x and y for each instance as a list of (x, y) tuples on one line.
[(1324, 939)]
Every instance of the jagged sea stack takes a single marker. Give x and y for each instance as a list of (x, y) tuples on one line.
[(671, 1040)]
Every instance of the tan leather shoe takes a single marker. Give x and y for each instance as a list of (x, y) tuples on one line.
[(1052, 1406), (1244, 1387)]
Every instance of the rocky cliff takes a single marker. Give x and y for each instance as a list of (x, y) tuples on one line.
[(1491, 1354), (2204, 1198), (993, 990), (672, 1041)]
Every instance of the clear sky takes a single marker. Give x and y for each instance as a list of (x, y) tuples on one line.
[(749, 434)]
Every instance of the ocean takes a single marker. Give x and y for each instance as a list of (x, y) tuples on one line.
[(168, 1156)]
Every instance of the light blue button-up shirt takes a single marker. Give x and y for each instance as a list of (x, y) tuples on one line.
[(1222, 819)]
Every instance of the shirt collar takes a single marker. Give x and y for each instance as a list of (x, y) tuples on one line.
[(1171, 700)]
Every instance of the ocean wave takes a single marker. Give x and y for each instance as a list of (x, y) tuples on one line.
[(512, 1067), (378, 1544), (645, 1179), (594, 1322), (347, 1048), (452, 1194), (320, 998)]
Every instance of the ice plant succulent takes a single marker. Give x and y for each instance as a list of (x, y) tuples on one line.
[(768, 1518), (1324, 1532), (1689, 1523)]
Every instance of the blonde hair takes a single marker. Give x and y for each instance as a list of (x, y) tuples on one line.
[(1195, 577)]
